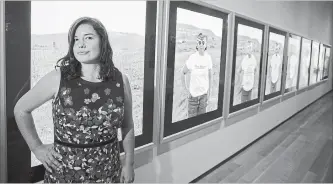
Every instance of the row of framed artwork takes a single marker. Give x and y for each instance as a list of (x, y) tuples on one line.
[(288, 61)]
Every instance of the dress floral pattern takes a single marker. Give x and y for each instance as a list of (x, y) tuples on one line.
[(84, 114)]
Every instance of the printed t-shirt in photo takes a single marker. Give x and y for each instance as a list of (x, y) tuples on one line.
[(249, 65), (199, 65)]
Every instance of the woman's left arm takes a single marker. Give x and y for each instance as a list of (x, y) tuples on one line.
[(128, 126)]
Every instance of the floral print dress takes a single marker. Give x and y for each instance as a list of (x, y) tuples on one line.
[(86, 118)]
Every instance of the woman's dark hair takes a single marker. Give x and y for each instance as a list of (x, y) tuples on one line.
[(71, 68)]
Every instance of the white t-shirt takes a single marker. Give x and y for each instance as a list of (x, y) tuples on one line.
[(314, 64), (325, 67), (306, 66), (275, 65), (199, 76), (320, 66), (292, 66), (249, 64)]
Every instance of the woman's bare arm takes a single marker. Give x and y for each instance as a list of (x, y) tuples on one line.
[(128, 125), (43, 91)]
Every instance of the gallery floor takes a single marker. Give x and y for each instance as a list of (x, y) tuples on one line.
[(299, 150)]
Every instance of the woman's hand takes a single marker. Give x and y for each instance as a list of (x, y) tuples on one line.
[(46, 154), (127, 174)]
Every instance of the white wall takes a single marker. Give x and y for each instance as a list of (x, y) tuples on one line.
[(183, 164), (310, 19)]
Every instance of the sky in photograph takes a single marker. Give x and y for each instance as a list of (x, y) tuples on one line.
[(277, 38), (328, 51), (314, 54), (48, 17), (294, 41), (315, 44), (315, 47), (321, 54), (251, 32), (306, 45), (200, 20)]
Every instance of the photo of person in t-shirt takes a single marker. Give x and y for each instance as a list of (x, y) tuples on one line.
[(199, 69), (326, 62), (274, 67), (306, 58), (321, 63), (247, 74), (292, 67)]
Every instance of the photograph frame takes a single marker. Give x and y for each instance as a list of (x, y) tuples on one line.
[(288, 90), (171, 128), (313, 42), (301, 63), (321, 70), (282, 74), (36, 173), (254, 24), (329, 60)]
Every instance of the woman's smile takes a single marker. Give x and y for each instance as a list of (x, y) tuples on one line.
[(83, 52)]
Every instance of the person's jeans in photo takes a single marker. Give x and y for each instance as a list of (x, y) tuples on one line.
[(197, 105), (273, 87), (246, 95)]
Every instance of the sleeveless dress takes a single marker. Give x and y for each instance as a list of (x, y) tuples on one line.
[(86, 118)]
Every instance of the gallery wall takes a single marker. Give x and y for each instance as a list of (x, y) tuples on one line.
[(311, 19), (189, 161)]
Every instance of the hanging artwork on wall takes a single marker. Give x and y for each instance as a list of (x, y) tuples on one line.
[(248, 43), (305, 63), (321, 62), (326, 62), (314, 69), (274, 63), (195, 66), (294, 48)]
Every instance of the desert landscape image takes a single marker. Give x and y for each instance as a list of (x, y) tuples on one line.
[(185, 46), (244, 35), (314, 63), (189, 24), (49, 43), (304, 63), (274, 39), (128, 57)]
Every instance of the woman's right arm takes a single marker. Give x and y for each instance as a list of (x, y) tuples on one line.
[(43, 91)]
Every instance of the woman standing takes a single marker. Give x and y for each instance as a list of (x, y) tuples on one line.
[(91, 99)]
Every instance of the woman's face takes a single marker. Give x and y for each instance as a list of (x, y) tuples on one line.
[(86, 44)]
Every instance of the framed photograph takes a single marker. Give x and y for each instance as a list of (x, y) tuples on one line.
[(131, 28), (195, 66), (326, 62), (305, 63), (294, 51), (314, 69), (321, 62), (274, 65), (247, 62)]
